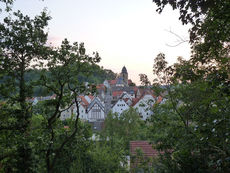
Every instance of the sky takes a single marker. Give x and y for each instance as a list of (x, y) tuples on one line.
[(124, 32)]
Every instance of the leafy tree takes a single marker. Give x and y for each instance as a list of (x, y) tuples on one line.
[(73, 157), (144, 80), (140, 162), (7, 4), (209, 34), (23, 41), (64, 65), (127, 126), (106, 158), (192, 125), (23, 47)]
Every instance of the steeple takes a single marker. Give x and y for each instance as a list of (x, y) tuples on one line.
[(124, 75), (124, 70)]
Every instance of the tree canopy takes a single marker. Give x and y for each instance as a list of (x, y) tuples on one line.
[(191, 127)]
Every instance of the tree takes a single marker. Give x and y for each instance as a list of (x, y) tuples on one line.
[(74, 156), (191, 127), (209, 34), (144, 80), (107, 158), (7, 4), (114, 140), (22, 47), (23, 41), (64, 64), (127, 126)]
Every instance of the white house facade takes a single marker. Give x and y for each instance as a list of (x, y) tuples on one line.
[(120, 106), (144, 105), (96, 110)]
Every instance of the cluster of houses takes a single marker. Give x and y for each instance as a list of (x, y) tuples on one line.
[(116, 96)]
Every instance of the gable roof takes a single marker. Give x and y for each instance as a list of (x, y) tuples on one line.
[(144, 93), (134, 101), (91, 97), (96, 101), (126, 99), (101, 87), (120, 100), (145, 146), (83, 101), (123, 94), (117, 93)]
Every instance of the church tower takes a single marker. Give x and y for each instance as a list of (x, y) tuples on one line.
[(124, 75)]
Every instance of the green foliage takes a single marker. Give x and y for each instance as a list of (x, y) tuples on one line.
[(59, 77), (7, 4), (192, 126), (73, 153), (209, 34), (97, 75), (33, 139), (106, 158), (140, 162), (127, 127), (23, 41), (144, 80)]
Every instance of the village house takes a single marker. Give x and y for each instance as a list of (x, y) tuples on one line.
[(144, 104), (120, 106), (96, 110), (115, 96)]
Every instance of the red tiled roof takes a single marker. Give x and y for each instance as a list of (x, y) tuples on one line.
[(112, 82), (83, 101), (117, 93), (91, 97), (159, 99), (134, 101), (101, 86), (66, 127), (146, 92), (146, 148)]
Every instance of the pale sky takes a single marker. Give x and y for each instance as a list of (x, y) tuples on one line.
[(124, 32)]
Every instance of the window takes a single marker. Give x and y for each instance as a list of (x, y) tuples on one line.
[(96, 112)]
